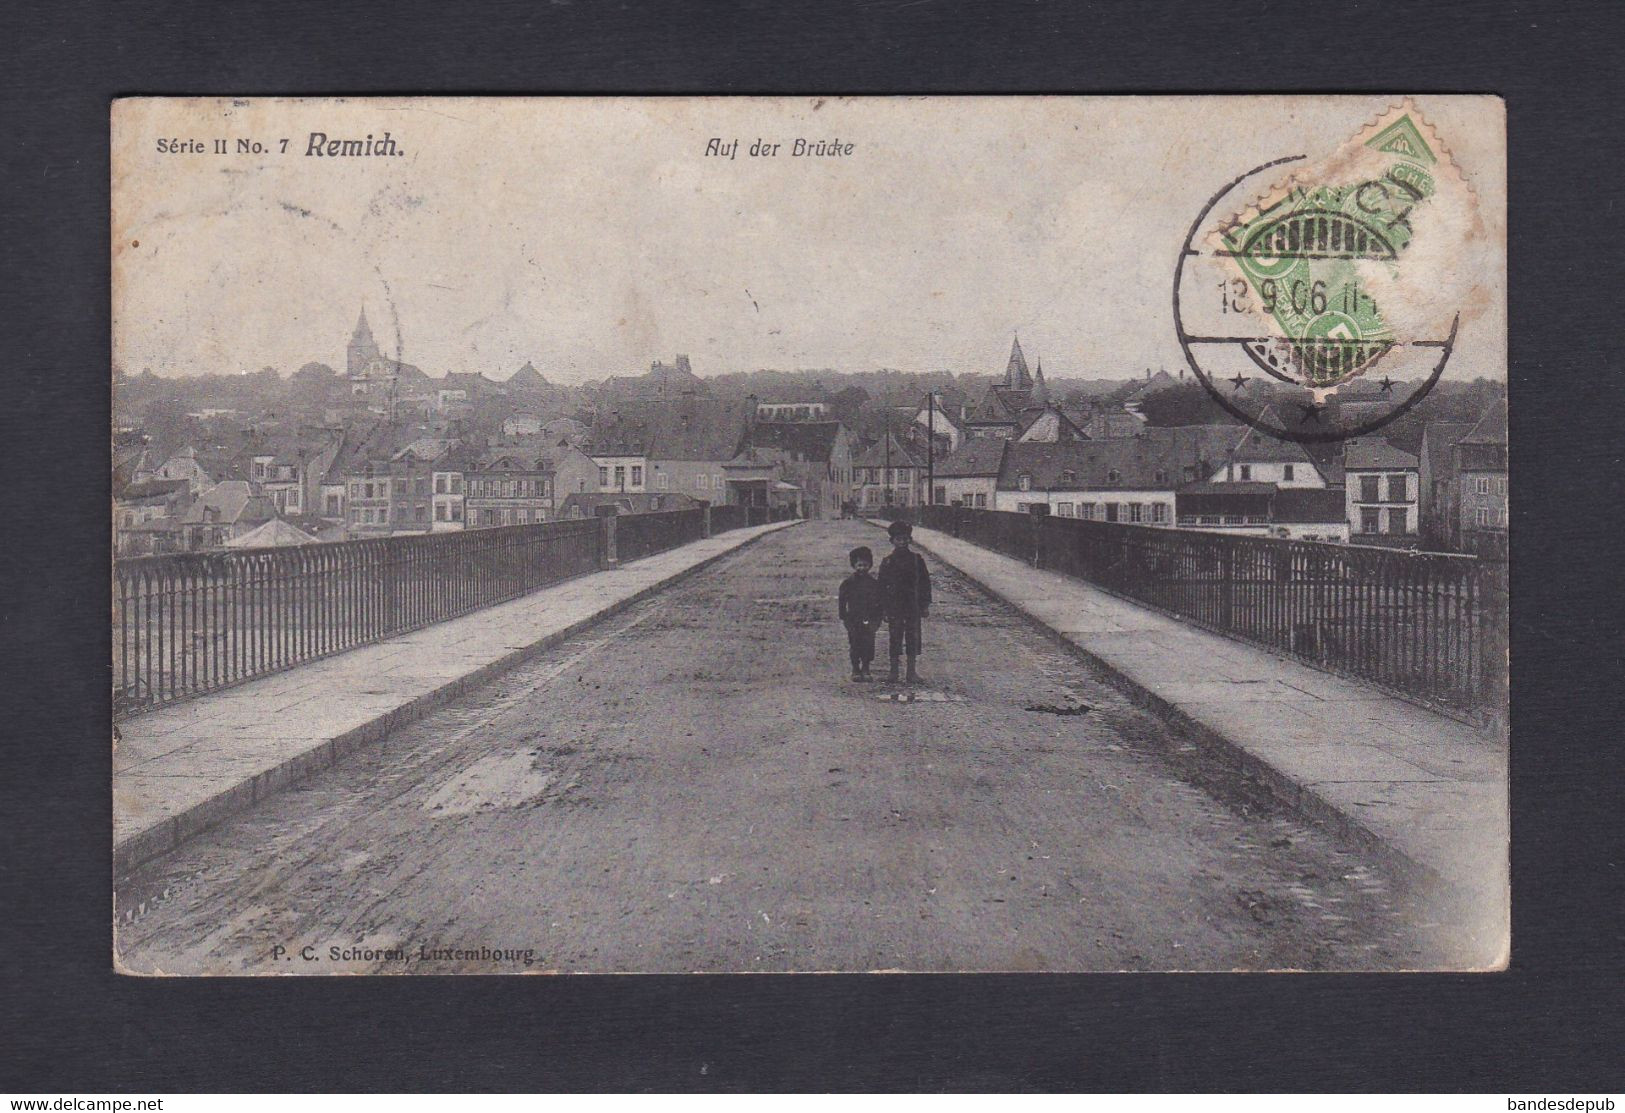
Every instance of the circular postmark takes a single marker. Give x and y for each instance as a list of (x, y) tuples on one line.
[(1327, 306)]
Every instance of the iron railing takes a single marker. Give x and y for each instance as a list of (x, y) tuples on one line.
[(638, 535), (1428, 626), (728, 516), (190, 623)]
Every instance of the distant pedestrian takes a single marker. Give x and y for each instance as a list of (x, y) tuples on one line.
[(861, 611), (905, 591)]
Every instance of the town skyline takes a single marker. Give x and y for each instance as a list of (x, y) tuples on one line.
[(940, 237)]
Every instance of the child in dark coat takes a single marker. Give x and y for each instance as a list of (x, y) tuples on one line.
[(861, 611), (905, 592)]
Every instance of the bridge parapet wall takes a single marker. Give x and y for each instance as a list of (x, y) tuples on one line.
[(191, 623), (1428, 626)]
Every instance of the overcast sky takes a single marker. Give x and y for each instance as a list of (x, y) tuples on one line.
[(593, 236)]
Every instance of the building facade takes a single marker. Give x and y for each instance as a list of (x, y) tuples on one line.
[(509, 489), (1382, 490)]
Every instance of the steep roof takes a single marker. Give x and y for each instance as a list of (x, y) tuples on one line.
[(1159, 382), (1136, 463), (275, 533), (1492, 427), (686, 428), (1040, 395), (1000, 405), (1113, 424), (1438, 440), (876, 456), (1016, 376), (1064, 428), (230, 501), (1158, 458), (1255, 447), (527, 378), (1375, 453), (151, 489), (977, 456)]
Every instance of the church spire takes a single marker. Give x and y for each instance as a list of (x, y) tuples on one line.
[(363, 348), (1040, 391), (1016, 376)]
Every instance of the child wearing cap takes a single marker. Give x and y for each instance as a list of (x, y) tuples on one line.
[(861, 611), (905, 592)]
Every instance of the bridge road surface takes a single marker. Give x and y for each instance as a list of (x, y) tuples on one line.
[(696, 785)]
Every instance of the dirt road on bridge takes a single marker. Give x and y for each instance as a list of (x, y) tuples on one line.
[(695, 785)]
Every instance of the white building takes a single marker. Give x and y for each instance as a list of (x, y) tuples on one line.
[(1382, 486)]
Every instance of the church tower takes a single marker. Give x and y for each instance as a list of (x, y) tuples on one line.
[(1040, 391), (1016, 376), (363, 349)]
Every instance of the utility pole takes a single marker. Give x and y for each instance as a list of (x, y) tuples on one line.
[(888, 456), (931, 447)]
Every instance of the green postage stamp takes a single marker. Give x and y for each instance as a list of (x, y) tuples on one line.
[(1311, 257)]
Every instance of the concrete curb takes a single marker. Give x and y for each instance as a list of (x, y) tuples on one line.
[(167, 835), (1300, 799)]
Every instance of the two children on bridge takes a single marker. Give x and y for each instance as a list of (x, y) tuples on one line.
[(901, 595)]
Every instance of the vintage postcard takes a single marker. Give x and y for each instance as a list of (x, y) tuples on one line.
[(809, 534)]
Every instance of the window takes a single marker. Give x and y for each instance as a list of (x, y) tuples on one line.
[(981, 501), (1064, 509), (383, 515), (1024, 482), (1111, 512), (1396, 521), (637, 475), (940, 496), (420, 513), (440, 512), (1159, 512), (1136, 511), (1369, 490), (620, 476), (456, 511), (603, 477), (333, 505), (1114, 476), (456, 483), (1396, 488), (1483, 516), (1162, 477), (662, 480), (1246, 472), (1481, 485), (702, 482), (1086, 511), (1286, 473), (370, 490), (1370, 519)]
